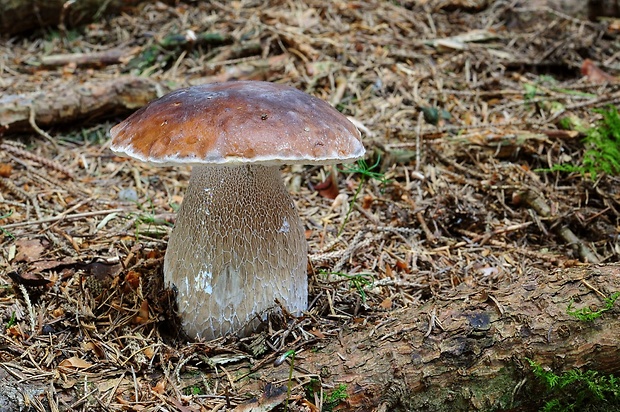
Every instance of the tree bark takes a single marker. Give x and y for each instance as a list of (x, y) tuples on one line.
[(20, 15), (473, 358)]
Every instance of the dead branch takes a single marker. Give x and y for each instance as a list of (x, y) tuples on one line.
[(113, 56), (75, 102)]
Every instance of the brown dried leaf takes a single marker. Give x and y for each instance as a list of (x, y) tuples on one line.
[(75, 363), (387, 303), (367, 202), (28, 278), (29, 250), (311, 407), (44, 265), (95, 348), (15, 332), (318, 333), (272, 397), (595, 74), (328, 188), (5, 169), (149, 352), (132, 279), (160, 387), (143, 314)]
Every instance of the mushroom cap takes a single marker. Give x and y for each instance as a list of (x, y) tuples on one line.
[(232, 123)]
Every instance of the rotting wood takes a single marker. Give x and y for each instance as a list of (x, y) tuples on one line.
[(80, 101), (20, 15), (473, 359)]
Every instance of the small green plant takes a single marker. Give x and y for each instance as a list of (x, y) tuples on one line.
[(588, 315), (330, 400), (4, 231), (530, 91), (289, 386), (335, 397), (152, 224), (433, 115), (88, 136), (357, 280), (148, 219), (574, 389), (12, 320), (193, 390), (366, 173), (602, 143)]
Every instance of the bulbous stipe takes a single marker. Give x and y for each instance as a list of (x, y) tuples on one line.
[(237, 245)]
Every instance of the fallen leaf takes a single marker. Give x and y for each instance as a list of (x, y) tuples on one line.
[(27, 278), (5, 169), (595, 74), (29, 250), (311, 407), (133, 280), (160, 387), (328, 188), (403, 266), (75, 363), (95, 348), (149, 352), (44, 265), (367, 202), (386, 304), (15, 332), (143, 314), (318, 333)]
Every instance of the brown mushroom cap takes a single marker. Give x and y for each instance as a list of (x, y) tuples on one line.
[(238, 122)]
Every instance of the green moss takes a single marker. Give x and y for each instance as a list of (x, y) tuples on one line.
[(602, 148), (193, 390), (335, 397), (588, 315), (574, 390), (331, 399)]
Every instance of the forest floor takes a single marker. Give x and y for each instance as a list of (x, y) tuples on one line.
[(461, 109)]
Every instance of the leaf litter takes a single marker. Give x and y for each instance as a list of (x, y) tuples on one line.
[(458, 107)]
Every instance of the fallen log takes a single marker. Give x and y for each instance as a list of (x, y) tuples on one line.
[(21, 15), (469, 353), (95, 99), (74, 102)]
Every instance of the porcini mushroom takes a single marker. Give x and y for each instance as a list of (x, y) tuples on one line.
[(238, 243)]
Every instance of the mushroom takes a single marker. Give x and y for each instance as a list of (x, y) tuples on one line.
[(238, 244)]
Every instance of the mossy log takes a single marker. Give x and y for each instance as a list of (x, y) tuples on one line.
[(21, 15), (469, 353)]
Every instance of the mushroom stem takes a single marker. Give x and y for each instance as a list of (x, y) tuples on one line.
[(237, 245)]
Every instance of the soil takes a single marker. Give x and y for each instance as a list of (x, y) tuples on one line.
[(462, 105)]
